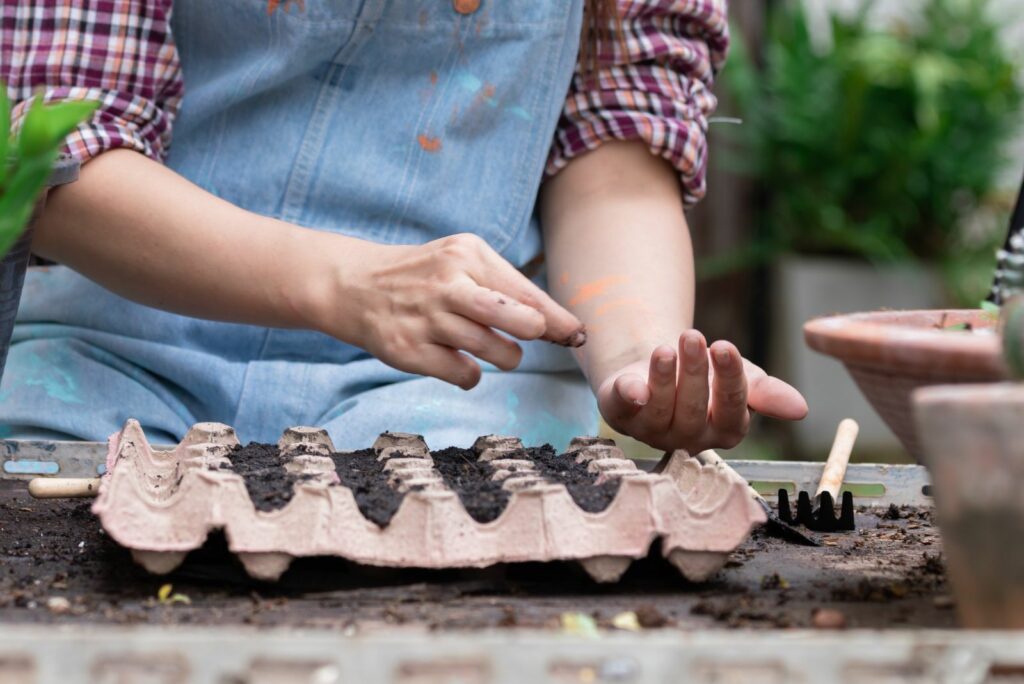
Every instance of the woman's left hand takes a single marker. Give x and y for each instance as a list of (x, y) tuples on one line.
[(681, 400)]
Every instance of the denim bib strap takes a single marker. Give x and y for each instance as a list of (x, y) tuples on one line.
[(398, 121)]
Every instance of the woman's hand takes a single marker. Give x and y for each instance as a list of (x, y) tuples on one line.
[(419, 308), (680, 400)]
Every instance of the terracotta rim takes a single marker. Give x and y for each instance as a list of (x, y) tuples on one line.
[(911, 342)]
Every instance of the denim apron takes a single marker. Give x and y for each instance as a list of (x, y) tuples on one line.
[(396, 121)]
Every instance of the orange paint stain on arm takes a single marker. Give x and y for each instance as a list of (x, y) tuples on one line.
[(564, 278), (618, 304), (597, 288), (428, 144)]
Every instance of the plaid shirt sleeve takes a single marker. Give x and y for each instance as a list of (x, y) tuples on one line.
[(118, 52), (653, 85)]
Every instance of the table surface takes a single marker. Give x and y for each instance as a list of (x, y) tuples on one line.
[(887, 574)]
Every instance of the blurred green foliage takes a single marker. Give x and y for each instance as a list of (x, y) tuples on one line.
[(882, 145), (27, 160)]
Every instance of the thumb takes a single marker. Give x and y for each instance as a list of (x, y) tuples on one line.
[(623, 397)]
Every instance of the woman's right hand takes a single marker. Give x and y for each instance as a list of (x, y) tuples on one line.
[(422, 308)]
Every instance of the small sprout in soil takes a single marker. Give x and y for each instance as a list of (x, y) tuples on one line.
[(627, 621), (774, 581), (579, 624), (165, 597)]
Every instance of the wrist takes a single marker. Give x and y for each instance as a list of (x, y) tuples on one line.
[(318, 277), (599, 369)]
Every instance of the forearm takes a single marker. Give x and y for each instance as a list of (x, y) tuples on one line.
[(619, 254), (146, 233)]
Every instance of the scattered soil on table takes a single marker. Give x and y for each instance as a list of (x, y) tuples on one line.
[(364, 474), (581, 483), (270, 486), (57, 550), (470, 478)]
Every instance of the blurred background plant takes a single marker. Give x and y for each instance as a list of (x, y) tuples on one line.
[(881, 143)]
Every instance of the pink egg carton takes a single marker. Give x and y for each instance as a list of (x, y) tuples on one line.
[(161, 504)]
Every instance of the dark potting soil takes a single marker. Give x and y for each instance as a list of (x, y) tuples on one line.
[(470, 478), (888, 574), (581, 483), (270, 486), (485, 499), (361, 472)]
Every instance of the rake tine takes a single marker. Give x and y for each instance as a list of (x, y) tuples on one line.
[(846, 521), (785, 512), (825, 519), (804, 513)]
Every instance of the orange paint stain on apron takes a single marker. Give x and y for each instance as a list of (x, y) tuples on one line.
[(466, 6), (272, 5), (429, 144)]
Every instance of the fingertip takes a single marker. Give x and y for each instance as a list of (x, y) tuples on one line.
[(777, 399), (633, 390), (578, 338), (801, 409), (663, 360), (725, 356), (471, 376)]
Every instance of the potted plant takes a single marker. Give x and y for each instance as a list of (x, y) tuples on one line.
[(874, 144), (29, 165), (973, 439)]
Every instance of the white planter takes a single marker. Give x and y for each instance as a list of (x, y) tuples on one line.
[(808, 287)]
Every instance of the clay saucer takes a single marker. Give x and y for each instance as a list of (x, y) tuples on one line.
[(889, 354)]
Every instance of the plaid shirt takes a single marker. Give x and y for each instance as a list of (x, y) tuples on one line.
[(654, 84), (119, 52)]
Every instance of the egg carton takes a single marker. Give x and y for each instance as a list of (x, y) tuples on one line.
[(163, 503)]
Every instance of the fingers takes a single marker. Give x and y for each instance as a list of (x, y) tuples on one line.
[(561, 327), (496, 310), (457, 332), (628, 395), (691, 407), (772, 397), (446, 364), (730, 418), (656, 416)]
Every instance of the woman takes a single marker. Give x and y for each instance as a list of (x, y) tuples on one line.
[(357, 193)]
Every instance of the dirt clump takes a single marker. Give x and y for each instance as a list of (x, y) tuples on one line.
[(261, 466), (363, 473), (583, 486), (470, 478)]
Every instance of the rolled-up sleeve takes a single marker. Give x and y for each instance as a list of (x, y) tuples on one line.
[(120, 53), (653, 84)]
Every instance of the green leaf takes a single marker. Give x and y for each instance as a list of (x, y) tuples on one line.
[(990, 307), (46, 126)]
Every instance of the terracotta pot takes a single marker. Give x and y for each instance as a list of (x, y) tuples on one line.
[(973, 437), (889, 354), (15, 262)]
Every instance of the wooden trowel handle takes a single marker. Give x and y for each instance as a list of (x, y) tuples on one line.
[(835, 467), (64, 487)]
